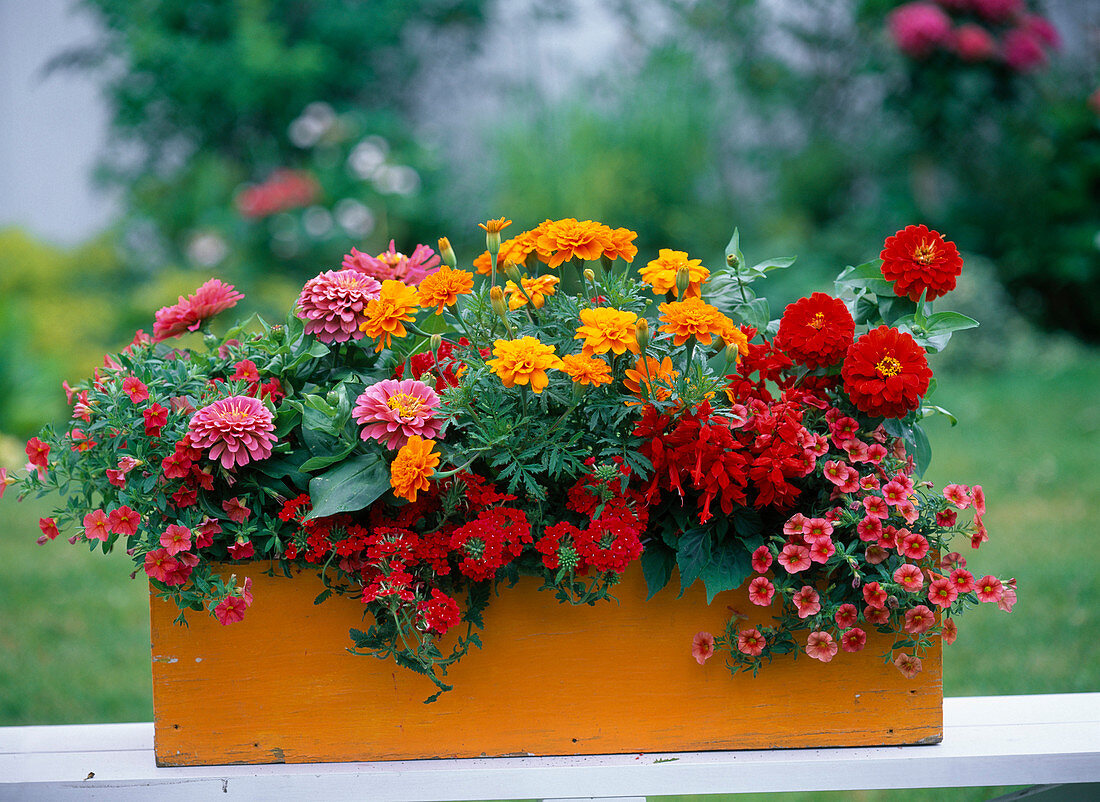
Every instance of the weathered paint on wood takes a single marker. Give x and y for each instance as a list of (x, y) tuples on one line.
[(552, 680)]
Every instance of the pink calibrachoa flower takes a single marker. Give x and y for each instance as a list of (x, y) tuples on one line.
[(941, 592), (979, 500), (1023, 51), (761, 591), (875, 554), (333, 304), (795, 525), (909, 577), (846, 615), (989, 589), (816, 529), (919, 619), (38, 453), (236, 430), (907, 510), (869, 529), (190, 313), (949, 631), (242, 549), (874, 595), (392, 411), (913, 546), (876, 507), (821, 646), (822, 550), (136, 389), (806, 601), (794, 558), (181, 571), (959, 495), (159, 565), (908, 664), (5, 480), (893, 492), (175, 539), (876, 453), (853, 640), (97, 526), (236, 510), (876, 615), (761, 559), (946, 518), (1008, 597), (390, 264), (245, 370), (963, 580), (702, 647), (973, 43), (48, 527), (156, 418), (205, 531), (124, 521), (750, 642), (230, 610)]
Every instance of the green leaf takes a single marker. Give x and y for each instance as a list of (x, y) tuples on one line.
[(657, 563), (943, 322), (318, 349), (932, 409), (693, 552), (349, 487), (922, 450), (322, 596), (778, 263), (323, 461), (727, 569), (756, 313), (734, 248)]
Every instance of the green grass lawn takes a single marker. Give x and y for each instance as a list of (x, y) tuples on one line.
[(74, 629)]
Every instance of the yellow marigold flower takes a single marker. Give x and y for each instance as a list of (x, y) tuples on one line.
[(536, 289), (622, 245), (691, 317), (561, 240), (411, 469), (442, 288), (586, 370), (523, 361), (648, 372), (494, 226), (396, 305), (661, 273), (607, 329)]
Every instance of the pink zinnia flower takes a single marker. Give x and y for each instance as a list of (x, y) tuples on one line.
[(135, 388), (853, 640), (236, 510), (124, 521), (333, 304), (919, 28), (821, 646), (761, 559), (236, 430), (794, 558), (750, 642), (919, 619), (159, 565), (97, 526), (874, 595), (908, 664), (175, 539), (390, 264), (190, 313), (973, 43), (230, 610), (989, 589), (941, 592), (846, 615), (761, 591), (702, 647), (392, 411), (806, 601), (909, 577)]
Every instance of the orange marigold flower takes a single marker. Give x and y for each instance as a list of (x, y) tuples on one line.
[(692, 317), (442, 288), (561, 240), (523, 361), (396, 305), (649, 373), (607, 329), (413, 466), (661, 273), (536, 289), (515, 250), (586, 370), (494, 226), (732, 335), (622, 245)]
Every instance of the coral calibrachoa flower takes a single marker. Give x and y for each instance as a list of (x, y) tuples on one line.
[(393, 411), (917, 260), (586, 371), (333, 304), (702, 647), (886, 373), (386, 316), (604, 329), (534, 289), (660, 273), (413, 467), (191, 312), (816, 331), (523, 361), (442, 288), (392, 265), (235, 430), (693, 318)]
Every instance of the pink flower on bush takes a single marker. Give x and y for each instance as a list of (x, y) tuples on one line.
[(989, 589), (974, 43), (919, 619), (392, 411), (909, 577), (908, 664), (1008, 596), (807, 601), (160, 565), (846, 615), (333, 303), (236, 430), (189, 313), (919, 28), (393, 265), (242, 549), (48, 527), (230, 610), (761, 559), (1023, 51), (853, 640), (821, 646), (750, 642), (794, 558), (998, 10), (761, 591), (97, 526), (175, 539), (236, 510), (124, 521), (136, 389), (702, 647)]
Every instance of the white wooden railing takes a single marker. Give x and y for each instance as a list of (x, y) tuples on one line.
[(988, 741)]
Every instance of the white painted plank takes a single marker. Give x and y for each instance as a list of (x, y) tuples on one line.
[(1057, 740)]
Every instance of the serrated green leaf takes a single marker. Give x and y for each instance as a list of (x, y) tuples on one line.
[(657, 563), (727, 569), (693, 552)]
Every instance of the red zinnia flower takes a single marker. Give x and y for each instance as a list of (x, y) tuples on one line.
[(917, 259), (886, 373), (816, 331)]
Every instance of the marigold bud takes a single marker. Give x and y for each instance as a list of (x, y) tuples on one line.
[(733, 353), (511, 270), (641, 333), (683, 281), (496, 297), (434, 342), (589, 275), (447, 252)]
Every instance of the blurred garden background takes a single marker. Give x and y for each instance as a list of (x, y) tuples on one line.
[(257, 142)]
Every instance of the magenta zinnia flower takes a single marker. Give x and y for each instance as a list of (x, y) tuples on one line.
[(919, 28), (393, 265), (190, 312), (236, 430), (332, 304), (392, 411)]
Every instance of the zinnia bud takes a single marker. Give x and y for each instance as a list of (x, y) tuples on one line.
[(511, 270), (641, 333), (732, 260), (496, 297), (447, 252)]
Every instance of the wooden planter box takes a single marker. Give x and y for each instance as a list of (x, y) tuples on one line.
[(552, 680)]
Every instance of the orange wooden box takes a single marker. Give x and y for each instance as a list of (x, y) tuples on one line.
[(552, 680)]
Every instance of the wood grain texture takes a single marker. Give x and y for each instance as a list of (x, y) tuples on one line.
[(552, 680)]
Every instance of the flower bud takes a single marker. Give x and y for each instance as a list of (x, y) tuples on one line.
[(892, 602), (641, 333), (496, 297), (434, 343), (511, 270), (683, 281), (447, 252), (732, 260), (589, 275), (333, 397), (733, 353), (492, 241)]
